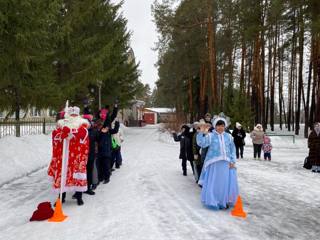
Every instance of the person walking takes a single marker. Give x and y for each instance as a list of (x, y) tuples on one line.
[(218, 177), (267, 148), (314, 148), (185, 147), (239, 136), (257, 136)]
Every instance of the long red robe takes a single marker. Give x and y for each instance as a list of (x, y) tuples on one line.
[(77, 149)]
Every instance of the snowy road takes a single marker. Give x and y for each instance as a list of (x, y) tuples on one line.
[(150, 199)]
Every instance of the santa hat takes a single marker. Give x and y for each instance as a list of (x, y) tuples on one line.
[(44, 211), (73, 111)]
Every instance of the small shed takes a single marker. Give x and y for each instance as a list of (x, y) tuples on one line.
[(156, 115)]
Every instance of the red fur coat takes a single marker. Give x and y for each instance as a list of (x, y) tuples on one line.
[(76, 156)]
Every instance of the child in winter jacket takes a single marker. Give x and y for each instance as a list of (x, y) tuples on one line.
[(267, 148)]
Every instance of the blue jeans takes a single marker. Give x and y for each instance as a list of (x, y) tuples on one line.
[(116, 157)]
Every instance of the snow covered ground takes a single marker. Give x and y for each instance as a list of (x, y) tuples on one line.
[(148, 198)]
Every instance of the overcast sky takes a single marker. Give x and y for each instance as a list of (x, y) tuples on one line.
[(138, 14)]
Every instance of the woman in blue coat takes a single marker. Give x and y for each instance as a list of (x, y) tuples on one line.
[(218, 177)]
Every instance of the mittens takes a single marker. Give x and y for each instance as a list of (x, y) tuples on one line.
[(65, 132)]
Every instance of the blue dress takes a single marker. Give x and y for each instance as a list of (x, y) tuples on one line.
[(219, 181)]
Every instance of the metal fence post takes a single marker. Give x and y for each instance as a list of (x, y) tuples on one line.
[(44, 126), (18, 128)]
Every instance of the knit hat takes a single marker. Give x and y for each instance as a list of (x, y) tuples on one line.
[(208, 115), (89, 117), (266, 140)]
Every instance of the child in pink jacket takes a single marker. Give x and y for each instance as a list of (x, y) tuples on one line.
[(266, 148)]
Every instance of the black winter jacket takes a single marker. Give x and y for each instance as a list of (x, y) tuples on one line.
[(239, 136), (105, 141), (185, 140)]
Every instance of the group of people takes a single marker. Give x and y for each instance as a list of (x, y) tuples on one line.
[(86, 148), (212, 150)]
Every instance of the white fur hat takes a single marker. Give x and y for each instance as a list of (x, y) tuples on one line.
[(73, 111), (219, 119)]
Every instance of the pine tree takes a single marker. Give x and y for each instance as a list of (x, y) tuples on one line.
[(26, 54)]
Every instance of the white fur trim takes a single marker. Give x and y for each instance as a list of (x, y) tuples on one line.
[(216, 159), (84, 139), (79, 176), (71, 189)]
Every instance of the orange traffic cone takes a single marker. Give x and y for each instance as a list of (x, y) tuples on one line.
[(58, 215), (238, 209)]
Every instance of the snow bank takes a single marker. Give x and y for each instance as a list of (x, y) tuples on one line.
[(22, 156)]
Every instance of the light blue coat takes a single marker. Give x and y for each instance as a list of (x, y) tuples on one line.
[(221, 147)]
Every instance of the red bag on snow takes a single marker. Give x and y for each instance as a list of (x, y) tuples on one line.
[(43, 212)]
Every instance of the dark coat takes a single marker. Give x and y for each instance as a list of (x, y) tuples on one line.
[(314, 148), (105, 142), (185, 140), (93, 140), (238, 137)]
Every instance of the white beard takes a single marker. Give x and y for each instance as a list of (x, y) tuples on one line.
[(73, 122)]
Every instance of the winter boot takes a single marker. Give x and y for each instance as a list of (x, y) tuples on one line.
[(90, 192), (78, 196)]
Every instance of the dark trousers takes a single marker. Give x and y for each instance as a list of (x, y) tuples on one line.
[(199, 169), (104, 168), (116, 157), (184, 166), (90, 166), (239, 151), (257, 150), (267, 156), (77, 195)]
